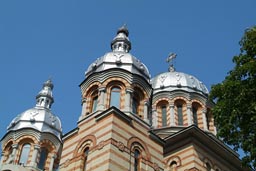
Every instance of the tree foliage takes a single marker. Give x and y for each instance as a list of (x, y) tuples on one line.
[(235, 97)]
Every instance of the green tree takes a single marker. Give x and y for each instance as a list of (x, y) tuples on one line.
[(235, 98)]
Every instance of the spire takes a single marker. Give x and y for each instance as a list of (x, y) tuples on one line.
[(44, 97), (121, 42), (169, 60)]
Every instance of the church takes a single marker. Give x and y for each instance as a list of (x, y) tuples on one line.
[(129, 121)]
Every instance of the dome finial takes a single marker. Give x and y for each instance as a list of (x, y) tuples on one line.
[(45, 97), (169, 60), (121, 42)]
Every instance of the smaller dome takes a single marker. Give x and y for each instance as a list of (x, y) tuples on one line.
[(40, 117), (37, 118), (171, 81), (119, 60)]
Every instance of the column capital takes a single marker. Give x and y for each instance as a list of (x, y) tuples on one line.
[(83, 99), (129, 90), (171, 105), (146, 102), (36, 146), (102, 89), (189, 106), (15, 146)]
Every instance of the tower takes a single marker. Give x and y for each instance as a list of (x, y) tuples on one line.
[(113, 129), (33, 139)]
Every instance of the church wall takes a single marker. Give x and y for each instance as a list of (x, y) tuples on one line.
[(112, 142)]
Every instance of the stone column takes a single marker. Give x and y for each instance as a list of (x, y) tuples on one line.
[(13, 155), (84, 106), (34, 155), (189, 114), (128, 95), (172, 117), (2, 159), (154, 118), (52, 162), (101, 105), (145, 117), (204, 119)]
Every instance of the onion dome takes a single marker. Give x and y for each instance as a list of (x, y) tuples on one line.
[(119, 57), (173, 80), (40, 117)]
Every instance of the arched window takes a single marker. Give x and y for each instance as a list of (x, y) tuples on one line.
[(115, 97), (194, 111), (208, 167), (173, 166), (94, 101), (164, 115), (24, 154), (86, 152), (180, 114), (136, 160), (43, 158)]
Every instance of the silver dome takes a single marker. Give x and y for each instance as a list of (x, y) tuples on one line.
[(119, 57), (40, 117), (171, 81), (119, 60), (37, 118)]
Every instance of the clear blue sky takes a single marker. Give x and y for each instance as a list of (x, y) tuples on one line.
[(60, 38)]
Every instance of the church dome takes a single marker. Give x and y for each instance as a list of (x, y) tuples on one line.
[(40, 117), (119, 57), (171, 81)]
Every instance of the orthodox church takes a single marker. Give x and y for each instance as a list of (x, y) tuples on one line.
[(129, 122)]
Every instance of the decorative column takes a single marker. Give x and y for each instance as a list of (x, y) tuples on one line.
[(128, 95), (52, 162), (13, 155), (34, 155), (146, 103), (84, 106), (101, 105), (2, 159), (189, 114), (154, 118), (204, 119), (172, 117)]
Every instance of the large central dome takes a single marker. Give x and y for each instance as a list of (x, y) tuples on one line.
[(119, 57)]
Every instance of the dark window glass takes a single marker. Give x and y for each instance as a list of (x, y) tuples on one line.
[(194, 110), (135, 105), (136, 160), (86, 152), (94, 103), (180, 115), (164, 117), (208, 167), (43, 158)]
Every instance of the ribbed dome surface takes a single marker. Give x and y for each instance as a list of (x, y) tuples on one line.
[(119, 60), (38, 118), (171, 81)]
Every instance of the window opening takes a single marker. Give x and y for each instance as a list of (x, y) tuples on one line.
[(24, 154), (115, 97), (43, 158), (164, 116), (180, 115)]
